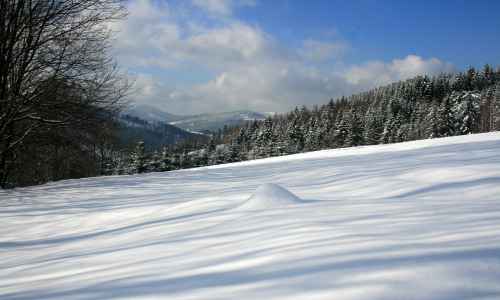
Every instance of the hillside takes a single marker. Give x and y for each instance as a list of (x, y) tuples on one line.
[(414, 220), (151, 114), (155, 134), (195, 123), (214, 122)]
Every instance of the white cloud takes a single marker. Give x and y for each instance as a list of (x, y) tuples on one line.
[(249, 68), (321, 51), (221, 7), (280, 85), (266, 86), (152, 36), (379, 73), (236, 42), (145, 87)]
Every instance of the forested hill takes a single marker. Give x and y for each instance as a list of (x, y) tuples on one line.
[(155, 134), (419, 108)]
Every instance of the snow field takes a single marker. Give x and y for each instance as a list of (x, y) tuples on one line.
[(417, 220)]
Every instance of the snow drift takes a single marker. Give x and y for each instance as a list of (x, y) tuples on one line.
[(416, 220), (269, 196)]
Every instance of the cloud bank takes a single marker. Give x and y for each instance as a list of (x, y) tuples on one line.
[(198, 57)]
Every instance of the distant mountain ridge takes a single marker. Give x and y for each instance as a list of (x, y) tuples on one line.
[(151, 113), (201, 123), (154, 134), (214, 122)]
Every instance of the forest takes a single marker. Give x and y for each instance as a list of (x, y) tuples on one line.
[(419, 108)]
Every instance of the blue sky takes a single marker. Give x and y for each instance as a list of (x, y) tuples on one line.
[(194, 56), (462, 32)]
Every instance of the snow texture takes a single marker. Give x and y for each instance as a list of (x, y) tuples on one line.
[(416, 220)]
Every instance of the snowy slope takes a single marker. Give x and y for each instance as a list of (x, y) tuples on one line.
[(417, 220)]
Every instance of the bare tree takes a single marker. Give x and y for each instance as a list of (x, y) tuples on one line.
[(55, 68)]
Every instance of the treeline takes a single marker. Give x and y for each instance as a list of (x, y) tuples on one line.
[(60, 90), (419, 108)]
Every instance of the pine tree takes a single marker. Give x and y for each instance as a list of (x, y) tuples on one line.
[(233, 153), (387, 133), (280, 148), (312, 138), (467, 112), (295, 141), (121, 165), (325, 126), (460, 82), (341, 132), (486, 112), (393, 121), (373, 131), (155, 162), (138, 158), (446, 118), (263, 143), (242, 142), (470, 79), (165, 161), (203, 157), (431, 122), (496, 108), (355, 130), (184, 162), (398, 131)]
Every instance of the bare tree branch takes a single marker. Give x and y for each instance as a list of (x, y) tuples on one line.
[(55, 68)]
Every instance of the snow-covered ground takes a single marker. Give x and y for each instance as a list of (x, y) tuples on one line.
[(417, 220)]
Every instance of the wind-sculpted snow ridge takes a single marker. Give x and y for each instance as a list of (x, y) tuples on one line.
[(270, 196), (417, 220)]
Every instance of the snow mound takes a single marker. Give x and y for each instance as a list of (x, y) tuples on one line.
[(270, 195)]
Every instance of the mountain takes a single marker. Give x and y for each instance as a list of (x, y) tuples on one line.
[(154, 133), (214, 122), (195, 123), (151, 114), (414, 220)]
